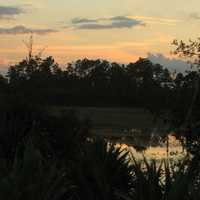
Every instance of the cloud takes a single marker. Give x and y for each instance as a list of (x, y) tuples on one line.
[(8, 12), (171, 63), (3, 69), (24, 30), (106, 23), (156, 20), (83, 20), (194, 15)]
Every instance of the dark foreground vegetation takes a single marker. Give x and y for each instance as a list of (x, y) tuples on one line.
[(49, 157)]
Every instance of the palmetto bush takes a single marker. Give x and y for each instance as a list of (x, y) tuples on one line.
[(98, 170), (165, 180), (111, 173), (147, 177), (31, 178), (101, 171)]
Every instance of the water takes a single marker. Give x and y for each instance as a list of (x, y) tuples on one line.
[(151, 144), (159, 152)]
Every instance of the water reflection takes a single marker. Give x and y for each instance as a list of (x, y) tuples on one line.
[(149, 143)]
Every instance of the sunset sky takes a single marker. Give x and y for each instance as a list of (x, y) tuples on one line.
[(117, 30)]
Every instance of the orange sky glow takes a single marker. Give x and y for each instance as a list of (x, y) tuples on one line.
[(112, 30)]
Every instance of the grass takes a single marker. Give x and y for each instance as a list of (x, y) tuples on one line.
[(113, 118), (115, 124)]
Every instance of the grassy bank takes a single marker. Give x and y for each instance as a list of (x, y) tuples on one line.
[(113, 118)]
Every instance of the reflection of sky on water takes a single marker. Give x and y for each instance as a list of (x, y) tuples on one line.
[(149, 143), (158, 152)]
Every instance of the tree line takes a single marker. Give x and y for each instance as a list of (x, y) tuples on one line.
[(100, 83), (94, 83)]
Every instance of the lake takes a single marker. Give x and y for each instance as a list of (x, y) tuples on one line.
[(132, 128), (151, 144)]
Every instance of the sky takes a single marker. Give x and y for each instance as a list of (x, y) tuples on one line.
[(116, 30)]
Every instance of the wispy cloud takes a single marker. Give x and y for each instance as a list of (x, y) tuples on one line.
[(9, 12), (194, 15), (106, 23), (83, 20), (156, 20), (24, 30)]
